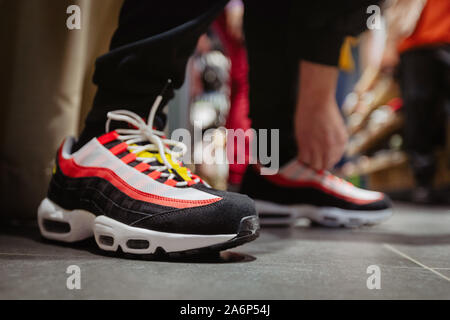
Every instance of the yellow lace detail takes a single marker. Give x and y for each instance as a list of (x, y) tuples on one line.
[(182, 171)]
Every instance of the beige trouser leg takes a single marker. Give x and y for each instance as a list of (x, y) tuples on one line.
[(45, 89)]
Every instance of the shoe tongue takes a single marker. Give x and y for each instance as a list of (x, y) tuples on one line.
[(114, 125), (159, 123)]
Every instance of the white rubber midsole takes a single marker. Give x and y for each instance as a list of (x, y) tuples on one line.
[(274, 214), (81, 222), (84, 224)]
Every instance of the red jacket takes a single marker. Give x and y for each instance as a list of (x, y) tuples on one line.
[(433, 27)]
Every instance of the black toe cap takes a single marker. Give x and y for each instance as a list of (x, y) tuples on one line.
[(221, 217), (382, 204)]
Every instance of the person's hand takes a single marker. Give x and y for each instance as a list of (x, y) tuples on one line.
[(234, 17), (319, 128), (390, 57), (321, 134)]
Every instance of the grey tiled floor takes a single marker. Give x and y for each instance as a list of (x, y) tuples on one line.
[(412, 250)]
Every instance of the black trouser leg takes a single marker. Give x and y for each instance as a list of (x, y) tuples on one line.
[(273, 71), (422, 81), (152, 44)]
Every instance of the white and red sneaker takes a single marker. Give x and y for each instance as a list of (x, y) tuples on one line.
[(298, 191), (128, 189)]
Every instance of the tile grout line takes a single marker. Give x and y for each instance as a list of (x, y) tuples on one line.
[(404, 255)]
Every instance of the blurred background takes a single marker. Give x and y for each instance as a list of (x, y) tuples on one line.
[(393, 92)]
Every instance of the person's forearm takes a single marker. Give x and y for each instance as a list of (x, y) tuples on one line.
[(317, 85)]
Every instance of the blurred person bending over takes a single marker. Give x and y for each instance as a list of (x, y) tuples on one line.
[(123, 181)]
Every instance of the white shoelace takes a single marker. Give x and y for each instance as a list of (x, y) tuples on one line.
[(144, 132)]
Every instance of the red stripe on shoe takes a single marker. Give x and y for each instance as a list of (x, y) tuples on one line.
[(154, 174), (129, 158), (141, 167), (171, 182), (119, 148), (108, 137), (71, 169), (281, 181)]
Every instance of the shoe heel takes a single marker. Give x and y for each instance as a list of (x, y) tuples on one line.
[(56, 223)]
